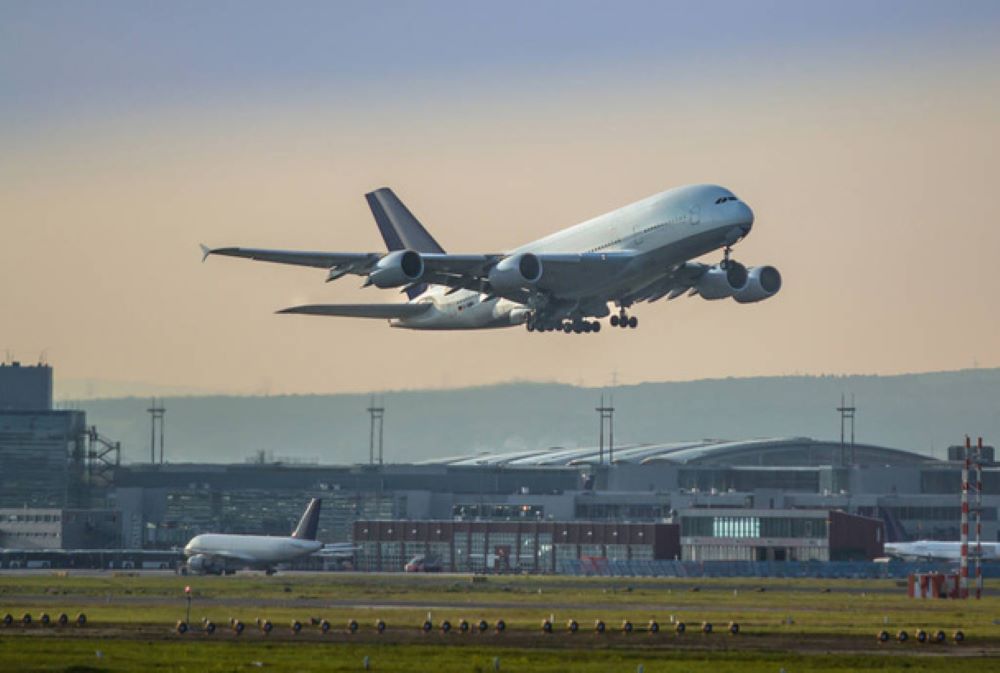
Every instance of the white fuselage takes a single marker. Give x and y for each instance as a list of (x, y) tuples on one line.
[(662, 231), (261, 550), (933, 550)]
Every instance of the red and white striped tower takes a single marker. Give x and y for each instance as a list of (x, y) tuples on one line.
[(979, 514), (963, 575)]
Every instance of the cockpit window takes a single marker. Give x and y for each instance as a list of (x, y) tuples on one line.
[(723, 199)]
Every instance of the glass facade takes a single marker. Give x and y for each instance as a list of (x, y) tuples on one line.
[(754, 527), (392, 556), (510, 547), (545, 552), (526, 557), (477, 554), (501, 512)]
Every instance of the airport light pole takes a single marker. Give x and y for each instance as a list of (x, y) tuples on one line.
[(377, 414), (846, 414), (156, 413), (607, 413)]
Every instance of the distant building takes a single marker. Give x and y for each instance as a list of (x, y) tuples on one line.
[(30, 528), (496, 546), (778, 535), (25, 388), (42, 458), (891, 493)]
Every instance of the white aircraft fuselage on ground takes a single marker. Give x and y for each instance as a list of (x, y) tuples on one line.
[(223, 553), (641, 252), (264, 550), (935, 550)]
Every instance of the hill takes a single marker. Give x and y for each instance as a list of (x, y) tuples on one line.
[(920, 412)]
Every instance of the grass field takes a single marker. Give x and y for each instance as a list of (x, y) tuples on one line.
[(798, 625)]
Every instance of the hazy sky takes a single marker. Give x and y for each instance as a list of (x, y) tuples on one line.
[(865, 135)]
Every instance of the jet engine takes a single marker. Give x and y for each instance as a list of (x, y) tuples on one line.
[(515, 272), (763, 282), (398, 268), (200, 564), (721, 282), (519, 316)]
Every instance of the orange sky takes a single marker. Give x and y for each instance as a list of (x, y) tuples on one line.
[(873, 191)]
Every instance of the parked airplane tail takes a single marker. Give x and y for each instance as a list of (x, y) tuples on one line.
[(400, 229), (309, 523)]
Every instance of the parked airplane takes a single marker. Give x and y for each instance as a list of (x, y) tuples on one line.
[(933, 550), (219, 554), (641, 252)]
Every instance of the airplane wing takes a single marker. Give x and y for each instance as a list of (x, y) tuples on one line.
[(321, 260), (561, 271), (380, 311), (672, 284), (440, 267)]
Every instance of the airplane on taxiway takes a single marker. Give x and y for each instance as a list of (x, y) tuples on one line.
[(217, 553), (935, 550), (566, 281)]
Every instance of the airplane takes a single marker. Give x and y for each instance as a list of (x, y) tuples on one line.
[(642, 252), (214, 553), (933, 550)]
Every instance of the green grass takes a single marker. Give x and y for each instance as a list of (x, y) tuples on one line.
[(131, 619), (31, 655)]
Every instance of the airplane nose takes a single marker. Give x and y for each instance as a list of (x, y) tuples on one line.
[(746, 218)]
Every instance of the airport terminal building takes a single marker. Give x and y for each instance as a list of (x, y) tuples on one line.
[(795, 499), (771, 499)]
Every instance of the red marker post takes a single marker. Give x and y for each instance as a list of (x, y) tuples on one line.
[(187, 593)]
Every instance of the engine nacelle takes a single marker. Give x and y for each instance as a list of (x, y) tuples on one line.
[(398, 268), (515, 272), (519, 316), (720, 283), (763, 282), (200, 564)]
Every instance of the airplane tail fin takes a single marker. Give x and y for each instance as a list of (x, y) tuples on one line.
[(400, 229), (309, 523)]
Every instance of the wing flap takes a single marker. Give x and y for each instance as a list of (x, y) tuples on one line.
[(377, 311)]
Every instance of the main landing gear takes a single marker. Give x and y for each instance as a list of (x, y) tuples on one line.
[(624, 320), (567, 326), (580, 326)]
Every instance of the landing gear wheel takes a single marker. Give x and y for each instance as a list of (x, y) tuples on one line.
[(595, 327), (614, 321), (567, 328), (633, 322)]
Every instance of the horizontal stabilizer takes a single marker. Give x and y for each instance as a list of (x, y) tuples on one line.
[(380, 311)]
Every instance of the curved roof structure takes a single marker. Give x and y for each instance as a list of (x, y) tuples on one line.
[(772, 452)]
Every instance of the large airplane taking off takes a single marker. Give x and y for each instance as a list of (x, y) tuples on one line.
[(222, 553), (933, 550), (566, 281)]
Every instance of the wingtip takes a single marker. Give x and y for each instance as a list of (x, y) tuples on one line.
[(205, 251)]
